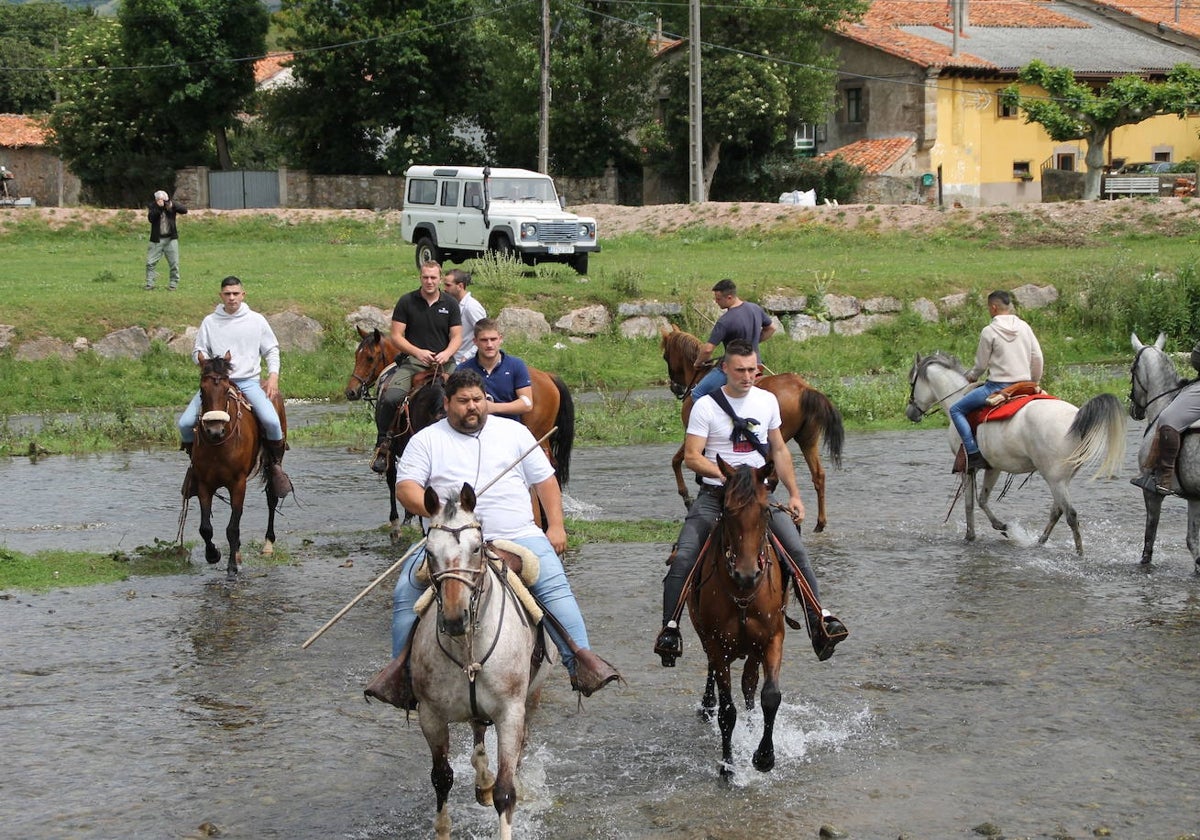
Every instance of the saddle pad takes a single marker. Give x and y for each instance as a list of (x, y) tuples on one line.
[(1005, 410)]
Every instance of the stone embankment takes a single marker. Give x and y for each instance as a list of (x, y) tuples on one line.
[(799, 317)]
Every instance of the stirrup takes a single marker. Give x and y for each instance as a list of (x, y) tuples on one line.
[(1148, 481), (669, 644), (826, 636)]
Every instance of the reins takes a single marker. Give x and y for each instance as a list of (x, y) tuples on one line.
[(1145, 408)]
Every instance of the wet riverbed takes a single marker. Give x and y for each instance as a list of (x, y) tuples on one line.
[(998, 681)]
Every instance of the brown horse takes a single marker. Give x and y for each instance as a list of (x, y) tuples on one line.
[(552, 406), (227, 451), (807, 414), (736, 606)]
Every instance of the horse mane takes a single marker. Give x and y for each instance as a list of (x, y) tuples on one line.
[(689, 341), (943, 359), (218, 365), (741, 488)]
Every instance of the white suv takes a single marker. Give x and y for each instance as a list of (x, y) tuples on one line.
[(453, 213)]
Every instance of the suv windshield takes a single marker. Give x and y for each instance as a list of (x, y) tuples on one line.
[(522, 189)]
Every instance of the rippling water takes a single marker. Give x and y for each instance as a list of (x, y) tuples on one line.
[(998, 681)]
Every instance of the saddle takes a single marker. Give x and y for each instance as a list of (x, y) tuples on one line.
[(1004, 404)]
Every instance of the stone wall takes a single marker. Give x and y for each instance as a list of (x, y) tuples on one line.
[(42, 176)]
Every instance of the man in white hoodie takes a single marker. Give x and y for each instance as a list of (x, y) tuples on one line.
[(249, 339), (1010, 352)]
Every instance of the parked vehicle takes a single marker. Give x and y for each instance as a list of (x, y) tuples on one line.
[(454, 213), (1146, 168)]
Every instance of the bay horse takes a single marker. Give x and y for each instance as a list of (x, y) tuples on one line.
[(552, 406), (475, 662), (808, 415), (1155, 382), (737, 608), (227, 451), (1048, 436)]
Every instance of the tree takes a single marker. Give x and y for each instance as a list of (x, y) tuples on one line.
[(600, 71), (29, 34), (379, 84), (1073, 110), (764, 69)]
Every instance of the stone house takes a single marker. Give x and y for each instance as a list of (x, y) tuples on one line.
[(39, 173)]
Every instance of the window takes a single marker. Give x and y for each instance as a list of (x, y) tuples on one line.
[(450, 194), (1162, 157), (1022, 171), (805, 138), (1065, 162), (1006, 112), (422, 191), (473, 194), (854, 105)]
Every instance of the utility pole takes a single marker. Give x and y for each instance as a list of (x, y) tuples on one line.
[(695, 110), (544, 106)]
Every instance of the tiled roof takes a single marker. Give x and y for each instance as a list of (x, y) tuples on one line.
[(272, 65), (19, 130), (1004, 35), (875, 156), (1169, 14)]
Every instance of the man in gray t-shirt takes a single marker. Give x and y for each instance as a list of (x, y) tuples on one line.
[(740, 319)]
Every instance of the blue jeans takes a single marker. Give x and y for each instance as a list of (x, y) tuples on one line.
[(551, 589), (974, 399), (252, 390), (711, 381)]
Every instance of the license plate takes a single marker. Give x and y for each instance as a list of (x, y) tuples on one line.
[(560, 249)]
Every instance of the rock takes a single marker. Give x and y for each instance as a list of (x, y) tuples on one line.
[(957, 301), (805, 327), (859, 324), (887, 303), (831, 832), (1030, 296), (529, 324), (371, 318), (162, 334), (590, 320), (7, 333), (185, 343), (786, 304), (643, 326), (81, 344), (129, 343), (297, 332), (648, 307), (926, 310), (44, 348), (841, 306)]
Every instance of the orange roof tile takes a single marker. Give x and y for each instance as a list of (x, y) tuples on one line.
[(874, 156), (20, 130), (1182, 17), (270, 66)]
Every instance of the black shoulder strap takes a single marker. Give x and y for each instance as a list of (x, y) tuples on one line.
[(741, 428)]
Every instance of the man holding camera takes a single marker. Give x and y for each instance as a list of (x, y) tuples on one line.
[(164, 238)]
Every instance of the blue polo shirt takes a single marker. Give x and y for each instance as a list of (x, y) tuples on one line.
[(509, 374)]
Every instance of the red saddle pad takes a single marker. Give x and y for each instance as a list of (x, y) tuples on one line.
[(1005, 410)]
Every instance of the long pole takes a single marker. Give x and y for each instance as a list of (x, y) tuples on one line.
[(419, 544), (695, 109), (544, 98)]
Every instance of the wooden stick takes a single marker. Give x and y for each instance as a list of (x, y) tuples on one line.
[(419, 544)]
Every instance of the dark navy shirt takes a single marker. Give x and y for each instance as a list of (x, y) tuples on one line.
[(509, 374)]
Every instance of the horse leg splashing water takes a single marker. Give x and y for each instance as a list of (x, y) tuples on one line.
[(227, 451), (737, 609), (1155, 382), (473, 661)]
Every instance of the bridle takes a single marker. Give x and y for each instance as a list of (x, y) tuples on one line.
[(364, 385), (232, 396), (935, 405), (1139, 410), (678, 388), (744, 599)]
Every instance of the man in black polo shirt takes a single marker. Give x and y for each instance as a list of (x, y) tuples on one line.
[(427, 327)]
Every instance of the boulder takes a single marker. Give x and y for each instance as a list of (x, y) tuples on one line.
[(45, 347), (859, 324), (129, 343), (786, 304), (634, 308), (371, 318), (877, 305), (589, 320), (643, 326), (184, 344), (7, 333), (528, 324), (841, 306), (957, 301), (805, 327), (297, 332), (1030, 296), (926, 310)]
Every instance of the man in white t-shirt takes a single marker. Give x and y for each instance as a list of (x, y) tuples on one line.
[(711, 432), (455, 283), (470, 446)]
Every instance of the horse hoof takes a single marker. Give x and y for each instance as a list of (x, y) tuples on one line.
[(820, 527), (268, 548), (764, 763), (726, 770), (705, 713), (483, 796)]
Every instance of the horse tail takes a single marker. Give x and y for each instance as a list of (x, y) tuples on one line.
[(821, 417), (564, 439), (1100, 427)]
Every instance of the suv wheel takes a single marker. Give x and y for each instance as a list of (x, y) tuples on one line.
[(579, 262), (427, 250), (504, 248)]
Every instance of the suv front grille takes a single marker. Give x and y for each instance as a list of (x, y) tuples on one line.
[(557, 231)]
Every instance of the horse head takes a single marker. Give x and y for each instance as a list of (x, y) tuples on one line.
[(427, 400), (454, 556), (1154, 380), (370, 358), (933, 379), (679, 352), (216, 392), (744, 522)]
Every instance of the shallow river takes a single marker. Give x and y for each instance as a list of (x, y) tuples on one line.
[(999, 681)]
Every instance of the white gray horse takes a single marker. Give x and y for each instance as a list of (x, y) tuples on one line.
[(1048, 436), (473, 661), (1155, 382)]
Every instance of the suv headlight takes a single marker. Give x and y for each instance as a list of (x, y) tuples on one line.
[(528, 230), (587, 231)]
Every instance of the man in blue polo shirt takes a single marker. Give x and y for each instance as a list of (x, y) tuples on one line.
[(505, 378)]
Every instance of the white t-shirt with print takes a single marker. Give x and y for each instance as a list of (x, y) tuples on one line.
[(709, 421), (442, 458)]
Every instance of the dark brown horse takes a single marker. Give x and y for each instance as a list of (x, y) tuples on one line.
[(227, 451), (807, 414), (552, 406), (736, 605)]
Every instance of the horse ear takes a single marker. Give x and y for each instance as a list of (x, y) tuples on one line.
[(200, 357), (229, 355), (1136, 342), (432, 503), (361, 332), (766, 470), (466, 498), (725, 469), (1161, 341)]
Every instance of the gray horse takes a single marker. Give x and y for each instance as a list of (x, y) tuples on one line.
[(1155, 382)]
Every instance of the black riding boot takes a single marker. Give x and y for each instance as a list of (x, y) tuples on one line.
[(669, 644), (280, 483)]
